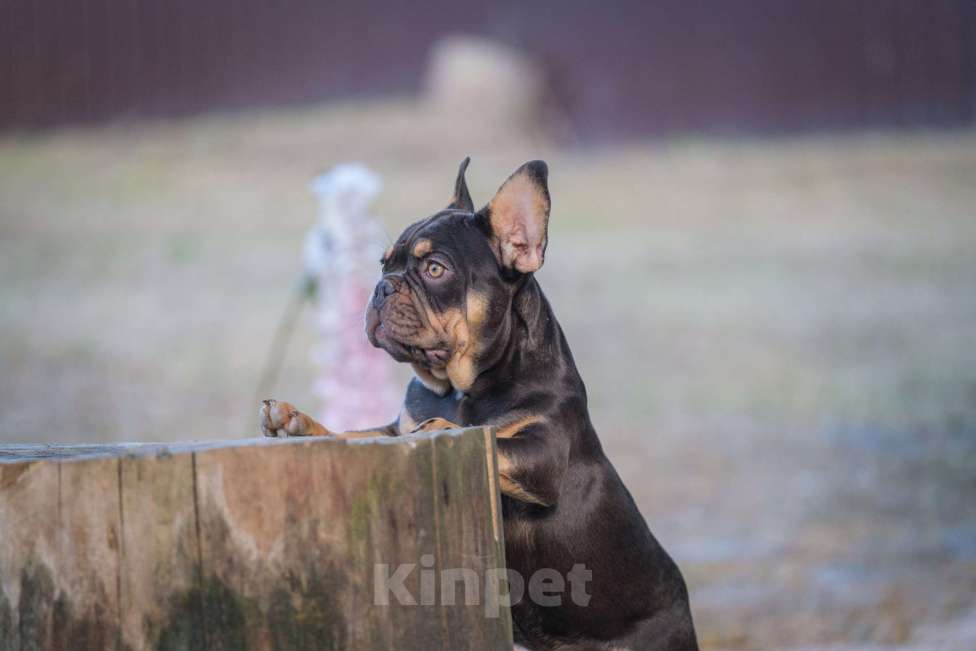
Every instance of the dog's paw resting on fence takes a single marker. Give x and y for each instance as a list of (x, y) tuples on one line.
[(280, 419)]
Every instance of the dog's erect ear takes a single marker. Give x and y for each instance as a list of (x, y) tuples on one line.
[(462, 199), (518, 218)]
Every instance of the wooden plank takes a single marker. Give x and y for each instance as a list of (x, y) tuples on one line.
[(356, 507), (255, 570), (59, 560), (257, 544), (159, 554), (470, 546), (88, 575), (29, 528)]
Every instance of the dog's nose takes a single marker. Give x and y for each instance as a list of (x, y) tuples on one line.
[(386, 288), (383, 289)]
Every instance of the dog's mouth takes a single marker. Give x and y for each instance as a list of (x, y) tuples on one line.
[(380, 337)]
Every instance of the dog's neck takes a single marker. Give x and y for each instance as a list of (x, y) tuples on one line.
[(527, 345)]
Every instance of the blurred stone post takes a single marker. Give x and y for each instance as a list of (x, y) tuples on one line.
[(341, 257), (485, 85)]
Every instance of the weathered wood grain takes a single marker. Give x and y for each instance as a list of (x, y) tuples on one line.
[(159, 553), (30, 523), (87, 575), (466, 537), (257, 544)]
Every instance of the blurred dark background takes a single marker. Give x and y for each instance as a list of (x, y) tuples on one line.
[(761, 251), (620, 69)]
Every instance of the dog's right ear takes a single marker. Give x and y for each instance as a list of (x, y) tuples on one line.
[(517, 218), (462, 198)]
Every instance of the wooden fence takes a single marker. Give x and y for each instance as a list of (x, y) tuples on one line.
[(253, 544)]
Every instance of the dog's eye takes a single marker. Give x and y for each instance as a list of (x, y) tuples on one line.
[(435, 269)]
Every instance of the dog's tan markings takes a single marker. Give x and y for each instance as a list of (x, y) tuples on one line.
[(457, 328), (435, 424), (461, 368), (462, 373), (440, 386), (510, 486), (513, 428), (514, 490), (405, 421), (451, 327), (465, 331), (476, 306), (422, 248), (388, 254)]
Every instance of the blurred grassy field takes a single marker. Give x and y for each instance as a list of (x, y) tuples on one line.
[(778, 337)]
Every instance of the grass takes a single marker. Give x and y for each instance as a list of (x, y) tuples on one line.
[(777, 336)]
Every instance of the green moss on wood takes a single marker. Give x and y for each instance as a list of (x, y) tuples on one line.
[(380, 486), (305, 614), (208, 616), (7, 627), (96, 630), (35, 607), (47, 619)]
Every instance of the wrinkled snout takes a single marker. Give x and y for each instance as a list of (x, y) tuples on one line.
[(395, 324), (389, 316)]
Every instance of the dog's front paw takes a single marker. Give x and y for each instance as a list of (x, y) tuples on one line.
[(280, 419)]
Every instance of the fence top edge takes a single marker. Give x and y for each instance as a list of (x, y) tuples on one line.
[(29, 452)]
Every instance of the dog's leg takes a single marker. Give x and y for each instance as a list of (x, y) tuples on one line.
[(531, 460), (521, 453), (280, 419)]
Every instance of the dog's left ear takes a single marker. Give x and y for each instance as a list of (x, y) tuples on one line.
[(518, 218), (462, 198)]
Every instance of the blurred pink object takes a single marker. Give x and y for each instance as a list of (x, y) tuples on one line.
[(341, 257)]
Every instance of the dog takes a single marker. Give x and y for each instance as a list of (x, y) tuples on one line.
[(459, 302)]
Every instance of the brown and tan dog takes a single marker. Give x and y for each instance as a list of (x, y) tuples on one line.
[(458, 301)]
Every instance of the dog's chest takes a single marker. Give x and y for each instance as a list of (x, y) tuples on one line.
[(422, 404)]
